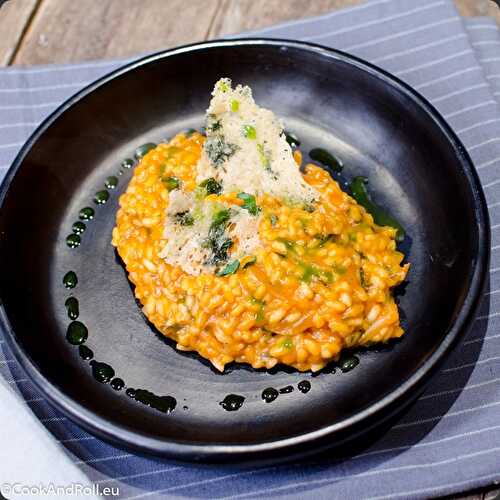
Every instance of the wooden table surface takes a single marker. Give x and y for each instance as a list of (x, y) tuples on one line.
[(63, 31)]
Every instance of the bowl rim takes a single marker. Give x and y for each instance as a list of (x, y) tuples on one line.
[(121, 435)]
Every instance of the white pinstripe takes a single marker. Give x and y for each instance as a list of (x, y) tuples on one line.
[(447, 77), (471, 108), (105, 459), (142, 474), (489, 141), (459, 92), (489, 337), (59, 86), (489, 59), (446, 415), (29, 106), (485, 477), (479, 124), (488, 163), (433, 63), (366, 24), (418, 48), (402, 33), (311, 482), (452, 391), (483, 26)]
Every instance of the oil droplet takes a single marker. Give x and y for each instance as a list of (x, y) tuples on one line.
[(85, 352), (120, 172), (117, 384), (326, 158), (70, 280), (127, 163), (101, 197), (77, 333), (72, 308), (111, 182), (78, 227), (269, 394), (232, 402), (347, 363), (292, 139), (142, 150), (185, 407), (304, 386), (286, 390), (86, 213), (165, 404), (73, 240), (102, 372)]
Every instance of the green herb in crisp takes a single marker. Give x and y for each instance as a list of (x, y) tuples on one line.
[(249, 132), (235, 105), (223, 85), (211, 186), (171, 183), (380, 216), (326, 158), (249, 203), (218, 150), (184, 218), (213, 124), (287, 343), (231, 268), (217, 240), (265, 160), (274, 219)]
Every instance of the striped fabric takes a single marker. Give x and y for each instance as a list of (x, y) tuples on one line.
[(449, 440)]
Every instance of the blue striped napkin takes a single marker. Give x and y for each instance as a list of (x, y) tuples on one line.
[(449, 440)]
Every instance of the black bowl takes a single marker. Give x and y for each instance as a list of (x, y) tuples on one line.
[(377, 125)]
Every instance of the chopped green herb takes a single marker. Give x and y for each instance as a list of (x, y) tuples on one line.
[(311, 271), (309, 207), (224, 84), (287, 343), (189, 132), (171, 183), (362, 278), (184, 218), (220, 218), (380, 216), (292, 139), (213, 124), (231, 268), (326, 158), (324, 239), (235, 105), (249, 262), (218, 150), (259, 317), (339, 269), (249, 203), (249, 132), (211, 186)]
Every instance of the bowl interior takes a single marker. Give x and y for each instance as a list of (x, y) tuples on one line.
[(375, 127)]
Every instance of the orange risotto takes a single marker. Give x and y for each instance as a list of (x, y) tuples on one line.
[(306, 280)]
